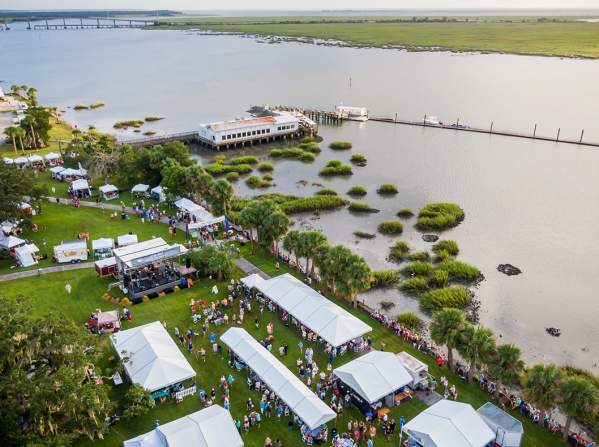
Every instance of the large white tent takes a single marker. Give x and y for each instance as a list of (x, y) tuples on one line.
[(508, 430), (203, 217), (153, 359), (374, 375), (26, 254), (331, 322), (210, 427), (252, 280), (9, 242), (449, 424), (291, 390)]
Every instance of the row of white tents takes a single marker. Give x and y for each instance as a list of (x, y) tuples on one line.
[(34, 160)]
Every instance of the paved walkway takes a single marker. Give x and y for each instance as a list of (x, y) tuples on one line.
[(45, 270), (250, 268)]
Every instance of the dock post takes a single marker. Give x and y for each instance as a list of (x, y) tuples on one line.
[(81, 21), (581, 135), (28, 24), (98, 23), (47, 26), (457, 123), (534, 133), (558, 131), (64, 23), (491, 129), (395, 120), (424, 120)]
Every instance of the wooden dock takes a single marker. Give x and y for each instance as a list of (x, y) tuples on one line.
[(91, 23), (188, 137)]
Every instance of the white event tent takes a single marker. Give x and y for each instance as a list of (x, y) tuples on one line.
[(252, 280), (80, 185), (202, 216), (449, 424), (374, 375), (109, 191), (290, 389), (126, 239), (154, 360), (50, 156), (508, 430), (329, 321), (210, 427), (10, 242), (140, 188)]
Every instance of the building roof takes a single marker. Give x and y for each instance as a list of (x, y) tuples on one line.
[(291, 390), (449, 424), (331, 322), (210, 427), (154, 360), (374, 375), (495, 416)]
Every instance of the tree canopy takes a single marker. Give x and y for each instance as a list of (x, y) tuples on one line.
[(14, 186)]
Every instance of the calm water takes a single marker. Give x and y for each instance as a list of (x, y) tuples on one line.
[(532, 204)]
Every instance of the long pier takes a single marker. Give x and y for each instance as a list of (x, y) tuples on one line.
[(90, 23)]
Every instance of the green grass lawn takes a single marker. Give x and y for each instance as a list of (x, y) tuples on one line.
[(566, 39), (60, 131)]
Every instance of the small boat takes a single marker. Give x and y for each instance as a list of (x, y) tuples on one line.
[(431, 121), (352, 113)]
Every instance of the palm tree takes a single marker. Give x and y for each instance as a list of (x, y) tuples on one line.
[(356, 277), (290, 243), (11, 132), (446, 328), (32, 96), (309, 242), (578, 397), (275, 225), (27, 123), (478, 346), (541, 386), (20, 134), (221, 197), (506, 365)]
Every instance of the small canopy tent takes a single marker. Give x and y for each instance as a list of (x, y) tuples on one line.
[(35, 160), (153, 359), (508, 430), (8, 161), (53, 158), (252, 280), (109, 320), (329, 321), (449, 424), (374, 376), (102, 247), (290, 389), (56, 171), (27, 208), (80, 188), (20, 161), (202, 217), (73, 174), (417, 369), (109, 192), (158, 193), (27, 255), (140, 189), (10, 242), (210, 427), (126, 239)]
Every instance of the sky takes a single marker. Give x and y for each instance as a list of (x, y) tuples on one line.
[(293, 4)]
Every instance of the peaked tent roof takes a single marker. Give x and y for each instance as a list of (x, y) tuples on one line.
[(57, 169), (52, 156), (374, 375), (103, 242), (252, 280), (8, 242), (108, 188), (140, 187), (331, 322), (450, 424), (210, 427), (154, 359), (300, 399), (498, 417), (79, 184)]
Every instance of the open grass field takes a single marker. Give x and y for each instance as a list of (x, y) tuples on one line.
[(568, 38)]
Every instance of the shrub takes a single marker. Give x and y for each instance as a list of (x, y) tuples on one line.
[(438, 279), (216, 169), (313, 148), (439, 216), (265, 167), (128, 123), (441, 256), (410, 321), (293, 153), (340, 145), (357, 191), (149, 133), (325, 192), (335, 167), (458, 297), (398, 251), (364, 234), (151, 118), (243, 160), (419, 256), (449, 246), (267, 177), (253, 181), (384, 278), (314, 203), (414, 286), (232, 176), (308, 140), (405, 213), (417, 268), (387, 189), (96, 105), (460, 271), (307, 157), (80, 107), (390, 227), (360, 207), (358, 159)]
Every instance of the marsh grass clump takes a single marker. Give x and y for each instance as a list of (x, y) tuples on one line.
[(417, 268), (217, 169), (267, 177), (313, 148), (384, 278), (242, 160), (253, 181), (80, 107), (308, 140), (458, 297), (405, 213), (419, 256), (314, 203), (149, 133), (149, 119), (358, 159), (265, 167), (361, 207), (357, 191), (448, 246), (364, 234), (398, 251), (335, 167), (390, 227), (96, 105), (293, 153), (414, 286), (232, 176), (460, 271), (128, 123), (325, 192), (411, 321), (438, 279), (340, 145), (439, 216), (387, 189)]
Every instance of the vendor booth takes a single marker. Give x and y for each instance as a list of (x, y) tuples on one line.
[(21, 162), (70, 251), (152, 359), (55, 171), (418, 370), (8, 161), (147, 268), (261, 363), (70, 174), (36, 161), (102, 248), (448, 424), (140, 189), (53, 158), (199, 216), (158, 193), (375, 380), (106, 267), (10, 242), (80, 188), (508, 430), (27, 255), (126, 239), (210, 427), (27, 209), (109, 192)]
